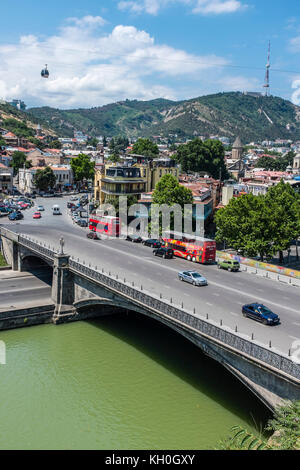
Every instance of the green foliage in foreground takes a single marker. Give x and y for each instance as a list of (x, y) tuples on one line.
[(285, 426), (2, 261), (261, 224)]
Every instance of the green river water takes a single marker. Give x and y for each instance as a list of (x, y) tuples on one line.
[(121, 382)]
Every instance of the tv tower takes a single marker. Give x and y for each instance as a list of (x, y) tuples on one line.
[(267, 77)]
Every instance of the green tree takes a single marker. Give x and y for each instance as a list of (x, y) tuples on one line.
[(2, 142), (207, 156), (276, 164), (104, 141), (146, 148), (114, 157), (83, 168), (44, 179), (169, 191), (37, 142), (286, 427), (261, 224), (55, 144), (18, 161), (93, 142), (283, 204)]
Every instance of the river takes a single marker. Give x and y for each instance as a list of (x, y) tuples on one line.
[(120, 382)]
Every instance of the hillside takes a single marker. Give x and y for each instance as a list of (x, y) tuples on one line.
[(226, 114), (10, 112)]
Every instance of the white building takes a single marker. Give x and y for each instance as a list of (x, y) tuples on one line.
[(63, 174)]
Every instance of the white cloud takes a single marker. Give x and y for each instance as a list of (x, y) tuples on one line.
[(90, 67), (239, 83), (204, 7), (296, 93), (295, 44)]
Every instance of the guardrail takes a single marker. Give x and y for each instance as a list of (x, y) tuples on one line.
[(251, 348)]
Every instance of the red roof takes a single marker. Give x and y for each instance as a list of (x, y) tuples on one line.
[(9, 135)]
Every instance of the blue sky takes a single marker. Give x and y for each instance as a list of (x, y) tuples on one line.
[(102, 51)]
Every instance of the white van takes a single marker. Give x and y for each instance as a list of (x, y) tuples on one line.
[(56, 210)]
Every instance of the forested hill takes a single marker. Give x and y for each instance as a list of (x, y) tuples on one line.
[(8, 112), (223, 114)]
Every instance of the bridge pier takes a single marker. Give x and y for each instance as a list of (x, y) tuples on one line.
[(62, 289)]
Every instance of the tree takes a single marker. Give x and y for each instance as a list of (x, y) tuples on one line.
[(19, 159), (93, 142), (114, 158), (104, 141), (276, 164), (169, 191), (118, 144), (37, 142), (2, 142), (207, 156), (284, 207), (261, 224), (244, 225), (55, 144), (83, 168), (146, 148), (44, 179)]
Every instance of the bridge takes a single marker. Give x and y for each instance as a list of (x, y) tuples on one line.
[(81, 291)]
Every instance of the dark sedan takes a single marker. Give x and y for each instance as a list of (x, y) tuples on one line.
[(153, 243), (82, 222), (93, 236), (16, 216), (260, 313), (134, 238), (164, 252)]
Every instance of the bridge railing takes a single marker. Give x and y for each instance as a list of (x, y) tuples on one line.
[(251, 348), (234, 340)]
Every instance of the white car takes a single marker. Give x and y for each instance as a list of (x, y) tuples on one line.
[(40, 208)]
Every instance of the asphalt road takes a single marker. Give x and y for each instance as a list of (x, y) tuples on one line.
[(221, 299), (21, 290)]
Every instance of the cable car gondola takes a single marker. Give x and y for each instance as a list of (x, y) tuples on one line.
[(45, 72)]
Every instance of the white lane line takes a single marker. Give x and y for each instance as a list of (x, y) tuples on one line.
[(293, 337), (295, 323), (222, 286), (217, 295), (235, 314), (210, 305)]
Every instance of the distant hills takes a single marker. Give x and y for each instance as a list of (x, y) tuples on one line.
[(10, 112), (224, 114)]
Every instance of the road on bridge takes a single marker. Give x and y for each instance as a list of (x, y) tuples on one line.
[(222, 299)]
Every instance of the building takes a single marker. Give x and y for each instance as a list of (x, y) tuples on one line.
[(296, 164), (237, 149), (6, 178), (19, 104), (137, 176), (47, 157), (63, 174)]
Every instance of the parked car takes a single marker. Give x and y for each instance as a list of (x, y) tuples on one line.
[(37, 215), (93, 236), (193, 277), (16, 216), (134, 238), (74, 198), (82, 222), (163, 252), (229, 264), (260, 313), (70, 205), (153, 243), (40, 208)]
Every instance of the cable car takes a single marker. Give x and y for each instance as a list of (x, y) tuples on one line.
[(45, 72)]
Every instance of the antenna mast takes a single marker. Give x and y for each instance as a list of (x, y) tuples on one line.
[(267, 77)]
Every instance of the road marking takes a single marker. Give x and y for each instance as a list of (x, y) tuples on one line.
[(210, 305), (217, 295), (235, 314), (295, 323), (293, 337), (165, 266)]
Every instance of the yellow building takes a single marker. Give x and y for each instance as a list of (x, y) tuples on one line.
[(113, 180)]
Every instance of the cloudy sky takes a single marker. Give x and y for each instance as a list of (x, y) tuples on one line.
[(102, 51)]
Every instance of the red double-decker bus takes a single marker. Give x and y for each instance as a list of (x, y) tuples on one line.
[(105, 224), (192, 248)]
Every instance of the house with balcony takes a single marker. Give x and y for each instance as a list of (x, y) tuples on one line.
[(6, 179)]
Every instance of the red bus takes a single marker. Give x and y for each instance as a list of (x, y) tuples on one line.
[(192, 248), (105, 224)]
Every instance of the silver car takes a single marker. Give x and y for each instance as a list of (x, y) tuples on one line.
[(193, 277)]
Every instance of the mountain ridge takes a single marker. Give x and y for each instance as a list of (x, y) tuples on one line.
[(224, 114)]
